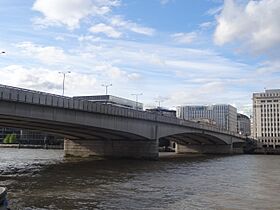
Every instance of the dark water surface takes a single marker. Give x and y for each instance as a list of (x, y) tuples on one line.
[(43, 179)]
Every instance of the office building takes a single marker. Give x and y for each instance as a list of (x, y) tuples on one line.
[(243, 125), (222, 115), (266, 109), (113, 100)]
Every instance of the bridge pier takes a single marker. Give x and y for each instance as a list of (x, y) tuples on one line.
[(208, 149), (136, 149)]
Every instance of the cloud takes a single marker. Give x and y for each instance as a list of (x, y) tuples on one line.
[(185, 38), (214, 11), (117, 26), (115, 73), (176, 69), (42, 79), (106, 29), (204, 71), (203, 94), (268, 68), (88, 38), (70, 12), (254, 24), (134, 76), (118, 21), (48, 54), (206, 25)]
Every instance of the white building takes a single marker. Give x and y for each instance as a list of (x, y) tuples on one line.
[(266, 109), (224, 115)]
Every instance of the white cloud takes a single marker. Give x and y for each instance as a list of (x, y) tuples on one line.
[(205, 72), (70, 12), (60, 38), (134, 76), (48, 55), (185, 38), (255, 25), (88, 38), (206, 25), (202, 94), (268, 67), (106, 29), (115, 73), (132, 67), (42, 79), (214, 11), (118, 21), (141, 29)]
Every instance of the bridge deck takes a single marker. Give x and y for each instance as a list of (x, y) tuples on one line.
[(14, 94)]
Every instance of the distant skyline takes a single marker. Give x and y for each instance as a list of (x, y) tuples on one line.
[(185, 52)]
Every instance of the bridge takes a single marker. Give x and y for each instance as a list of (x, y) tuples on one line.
[(91, 128)]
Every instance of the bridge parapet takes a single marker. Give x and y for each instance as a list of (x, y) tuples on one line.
[(8, 93)]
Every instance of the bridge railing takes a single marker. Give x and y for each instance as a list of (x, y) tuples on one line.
[(9, 93)]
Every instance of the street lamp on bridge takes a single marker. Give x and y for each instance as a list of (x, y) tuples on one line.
[(159, 100), (106, 87), (63, 82), (136, 97)]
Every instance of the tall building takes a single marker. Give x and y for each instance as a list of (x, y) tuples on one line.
[(266, 109), (243, 125), (222, 115)]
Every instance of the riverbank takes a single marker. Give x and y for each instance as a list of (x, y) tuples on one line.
[(31, 146), (267, 151)]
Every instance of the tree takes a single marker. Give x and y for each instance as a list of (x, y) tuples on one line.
[(7, 139), (10, 139)]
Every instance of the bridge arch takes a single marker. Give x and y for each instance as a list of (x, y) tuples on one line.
[(68, 130), (194, 138)]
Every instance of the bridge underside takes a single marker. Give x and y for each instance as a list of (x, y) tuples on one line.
[(84, 141), (66, 130), (202, 143)]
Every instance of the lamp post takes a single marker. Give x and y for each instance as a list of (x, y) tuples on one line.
[(159, 100), (106, 87), (136, 97), (64, 73)]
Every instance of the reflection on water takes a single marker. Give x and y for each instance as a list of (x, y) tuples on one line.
[(42, 179)]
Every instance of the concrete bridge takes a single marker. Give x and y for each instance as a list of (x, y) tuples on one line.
[(91, 128)]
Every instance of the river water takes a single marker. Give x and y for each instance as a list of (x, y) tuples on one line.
[(43, 179)]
